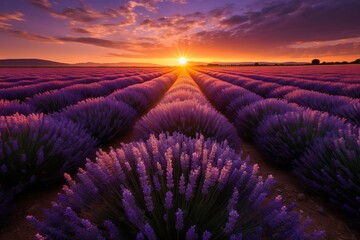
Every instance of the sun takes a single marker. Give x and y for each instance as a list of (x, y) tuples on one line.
[(182, 61)]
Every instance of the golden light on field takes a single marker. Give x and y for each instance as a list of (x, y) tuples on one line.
[(182, 61)]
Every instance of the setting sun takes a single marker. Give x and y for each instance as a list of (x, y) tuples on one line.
[(182, 61)]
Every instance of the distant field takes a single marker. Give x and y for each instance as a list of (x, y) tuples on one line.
[(175, 165)]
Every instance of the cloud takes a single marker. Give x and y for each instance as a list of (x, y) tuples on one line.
[(267, 28), (180, 26), (44, 4), (306, 20), (84, 14), (17, 16), (234, 20), (340, 49), (27, 35), (97, 42), (276, 26)]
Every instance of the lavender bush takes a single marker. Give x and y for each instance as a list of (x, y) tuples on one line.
[(284, 137), (265, 89), (184, 95), (280, 92), (331, 166), (11, 107), (133, 97), (187, 117), (54, 101), (351, 112), (352, 90), (316, 100), (142, 96), (239, 103), (102, 117), (37, 149), (172, 187), (248, 118), (226, 96)]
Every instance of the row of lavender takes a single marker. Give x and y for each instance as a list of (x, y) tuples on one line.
[(21, 90), (322, 150), (342, 106), (36, 150), (333, 73), (338, 88), (307, 82), (22, 77), (57, 99), (172, 186)]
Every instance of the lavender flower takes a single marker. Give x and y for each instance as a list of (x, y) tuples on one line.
[(119, 203), (233, 216), (179, 216), (191, 234)]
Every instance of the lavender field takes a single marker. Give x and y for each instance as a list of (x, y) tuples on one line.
[(159, 153)]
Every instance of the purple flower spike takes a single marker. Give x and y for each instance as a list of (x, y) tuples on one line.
[(179, 219), (168, 200), (191, 234), (233, 216)]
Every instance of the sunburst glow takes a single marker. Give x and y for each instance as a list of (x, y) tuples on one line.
[(183, 61)]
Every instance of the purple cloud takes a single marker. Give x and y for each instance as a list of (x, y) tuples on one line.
[(17, 16)]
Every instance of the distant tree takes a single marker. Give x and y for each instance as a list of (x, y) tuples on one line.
[(256, 64), (315, 62), (357, 61)]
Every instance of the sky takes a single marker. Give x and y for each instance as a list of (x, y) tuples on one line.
[(160, 31)]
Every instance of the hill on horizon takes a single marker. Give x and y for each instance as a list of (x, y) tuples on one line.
[(47, 63)]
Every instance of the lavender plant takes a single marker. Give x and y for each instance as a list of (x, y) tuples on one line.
[(316, 100), (8, 108), (171, 187), (280, 92), (184, 95), (239, 103), (187, 117), (248, 118), (350, 111), (285, 137), (133, 97), (331, 166), (266, 88), (54, 101), (225, 96), (38, 149), (102, 117)]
